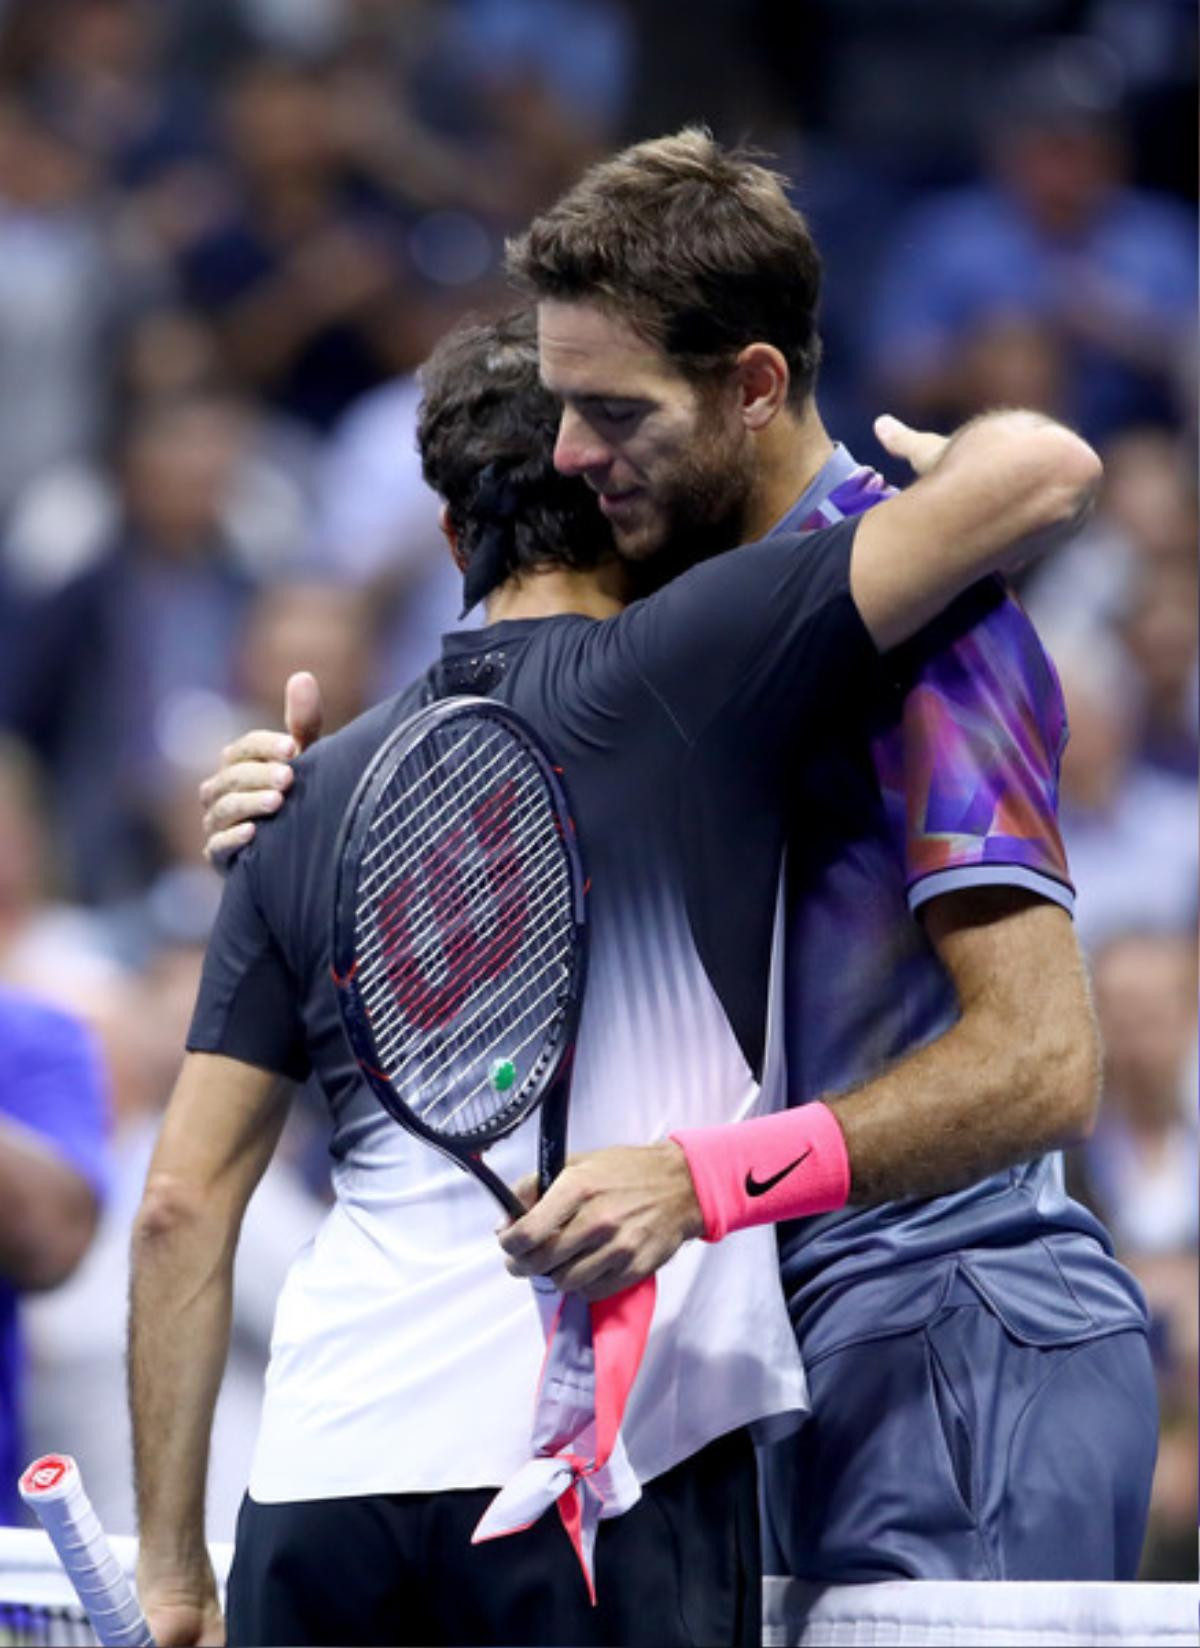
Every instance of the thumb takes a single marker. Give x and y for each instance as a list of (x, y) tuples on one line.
[(919, 448), (303, 711)]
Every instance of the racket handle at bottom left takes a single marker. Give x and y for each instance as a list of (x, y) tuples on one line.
[(52, 1487)]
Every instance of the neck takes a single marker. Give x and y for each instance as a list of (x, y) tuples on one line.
[(553, 592), (790, 452)]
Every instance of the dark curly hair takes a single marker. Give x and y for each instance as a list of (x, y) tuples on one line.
[(486, 431)]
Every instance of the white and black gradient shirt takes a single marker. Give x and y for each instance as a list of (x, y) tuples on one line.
[(405, 1358)]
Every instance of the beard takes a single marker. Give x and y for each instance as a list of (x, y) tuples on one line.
[(700, 510)]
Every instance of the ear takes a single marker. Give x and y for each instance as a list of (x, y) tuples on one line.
[(451, 538), (762, 379)]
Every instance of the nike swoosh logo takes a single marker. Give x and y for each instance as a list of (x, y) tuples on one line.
[(759, 1187)]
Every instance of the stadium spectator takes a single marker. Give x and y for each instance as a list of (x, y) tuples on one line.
[(75, 1335), (1054, 235), (306, 278), (104, 666), (376, 525), (1144, 527), (49, 947), (1143, 1159), (57, 294), (320, 625), (1172, 1286), (1129, 827), (53, 1119)]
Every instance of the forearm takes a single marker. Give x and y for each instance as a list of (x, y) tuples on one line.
[(180, 1308), (945, 1117), (976, 1101), (218, 1134), (1016, 1075)]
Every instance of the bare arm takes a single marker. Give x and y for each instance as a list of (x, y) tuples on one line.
[(1016, 1075), (219, 1132), (1007, 486), (47, 1211)]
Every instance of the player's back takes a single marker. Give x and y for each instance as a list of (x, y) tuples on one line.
[(674, 724)]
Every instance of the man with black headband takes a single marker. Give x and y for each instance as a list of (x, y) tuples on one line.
[(405, 1360)]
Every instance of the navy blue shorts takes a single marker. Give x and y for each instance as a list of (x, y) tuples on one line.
[(681, 1568), (957, 1452)]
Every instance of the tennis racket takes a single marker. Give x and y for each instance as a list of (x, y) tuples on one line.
[(459, 934), (54, 1490)]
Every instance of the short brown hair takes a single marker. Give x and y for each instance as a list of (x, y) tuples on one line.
[(697, 247)]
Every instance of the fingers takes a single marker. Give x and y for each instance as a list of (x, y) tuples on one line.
[(303, 710), (261, 745), (527, 1190), (238, 779), (219, 848), (919, 448), (527, 1241), (231, 809)]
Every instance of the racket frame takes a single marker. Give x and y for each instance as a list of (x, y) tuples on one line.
[(547, 1084)]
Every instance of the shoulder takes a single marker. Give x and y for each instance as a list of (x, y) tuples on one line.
[(286, 861), (328, 772)]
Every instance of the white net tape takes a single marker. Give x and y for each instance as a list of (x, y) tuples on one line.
[(992, 1615), (37, 1605)]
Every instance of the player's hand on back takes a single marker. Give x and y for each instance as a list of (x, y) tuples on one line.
[(254, 775), (611, 1218)]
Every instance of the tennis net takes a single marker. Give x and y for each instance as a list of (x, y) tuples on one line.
[(38, 1606)]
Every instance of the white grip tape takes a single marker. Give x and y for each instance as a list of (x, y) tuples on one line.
[(52, 1487)]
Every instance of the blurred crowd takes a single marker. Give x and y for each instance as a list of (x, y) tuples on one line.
[(230, 231)]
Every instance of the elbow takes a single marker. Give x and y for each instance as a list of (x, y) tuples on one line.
[(1065, 475), (171, 1210)]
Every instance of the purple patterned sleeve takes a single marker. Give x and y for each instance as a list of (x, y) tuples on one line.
[(969, 770)]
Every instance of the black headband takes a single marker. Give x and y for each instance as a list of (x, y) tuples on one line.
[(495, 507)]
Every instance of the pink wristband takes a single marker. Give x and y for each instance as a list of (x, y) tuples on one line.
[(782, 1166)]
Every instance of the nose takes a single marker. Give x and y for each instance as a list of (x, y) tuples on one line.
[(578, 450)]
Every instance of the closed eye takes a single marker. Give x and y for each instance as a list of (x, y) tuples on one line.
[(617, 414)]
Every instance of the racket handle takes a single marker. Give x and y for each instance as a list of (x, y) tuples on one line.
[(552, 1134), (52, 1487)]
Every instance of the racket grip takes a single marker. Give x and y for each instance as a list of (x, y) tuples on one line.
[(52, 1487), (552, 1134)]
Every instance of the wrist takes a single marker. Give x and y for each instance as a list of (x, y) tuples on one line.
[(784, 1166), (689, 1214)]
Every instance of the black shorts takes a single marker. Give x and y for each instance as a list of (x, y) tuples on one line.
[(682, 1567)]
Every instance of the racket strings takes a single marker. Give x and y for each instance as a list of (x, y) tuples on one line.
[(451, 902), (433, 964), (417, 818), (431, 925), (488, 1029), (396, 1010), (468, 885)]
